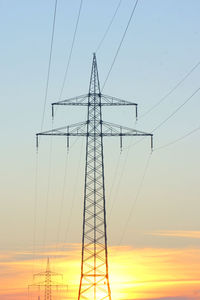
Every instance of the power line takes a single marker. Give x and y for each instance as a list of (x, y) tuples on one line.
[(136, 198), (47, 193), (49, 63), (169, 117), (120, 44), (176, 110), (147, 164), (60, 96), (118, 183), (71, 50), (178, 139), (67, 228), (62, 201), (173, 142), (63, 84), (111, 189), (46, 92), (62, 198), (109, 26), (171, 90), (35, 210), (43, 113)]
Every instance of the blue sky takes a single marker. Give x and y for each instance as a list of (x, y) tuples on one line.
[(161, 46)]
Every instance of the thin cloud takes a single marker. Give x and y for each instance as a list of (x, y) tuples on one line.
[(146, 273), (177, 233)]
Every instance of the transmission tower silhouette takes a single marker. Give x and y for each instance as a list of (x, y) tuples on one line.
[(94, 281), (47, 282)]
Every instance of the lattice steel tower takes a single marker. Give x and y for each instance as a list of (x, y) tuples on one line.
[(47, 282), (94, 282)]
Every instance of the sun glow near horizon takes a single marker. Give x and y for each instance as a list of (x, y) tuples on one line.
[(143, 273)]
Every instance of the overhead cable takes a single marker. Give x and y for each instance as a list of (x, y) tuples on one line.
[(171, 90), (62, 201), (169, 117), (49, 178), (49, 63), (43, 114), (119, 181), (71, 49), (178, 139), (35, 209), (67, 228), (147, 164), (136, 198), (109, 26), (112, 187), (120, 44), (176, 110), (58, 239)]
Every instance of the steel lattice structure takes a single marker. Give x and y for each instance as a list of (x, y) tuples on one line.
[(94, 282), (47, 282)]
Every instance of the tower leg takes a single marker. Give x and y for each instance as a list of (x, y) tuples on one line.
[(94, 283)]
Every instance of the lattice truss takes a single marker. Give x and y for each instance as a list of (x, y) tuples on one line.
[(47, 281), (94, 282)]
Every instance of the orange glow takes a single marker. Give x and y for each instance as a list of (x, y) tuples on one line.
[(178, 233), (134, 273)]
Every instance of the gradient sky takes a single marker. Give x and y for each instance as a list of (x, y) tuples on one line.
[(153, 231)]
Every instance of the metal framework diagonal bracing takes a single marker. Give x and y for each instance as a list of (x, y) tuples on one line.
[(94, 282)]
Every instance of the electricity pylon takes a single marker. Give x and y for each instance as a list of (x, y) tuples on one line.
[(94, 281), (46, 282)]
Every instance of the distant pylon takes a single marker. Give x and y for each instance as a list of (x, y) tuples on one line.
[(46, 282), (94, 282)]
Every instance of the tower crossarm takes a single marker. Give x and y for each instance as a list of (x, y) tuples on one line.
[(77, 100), (43, 274), (113, 101), (53, 284), (77, 129), (108, 130), (110, 100), (111, 128), (105, 101)]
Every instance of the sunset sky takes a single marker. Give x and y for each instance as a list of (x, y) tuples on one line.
[(152, 200)]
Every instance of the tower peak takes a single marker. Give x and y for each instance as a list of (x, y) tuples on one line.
[(48, 265), (94, 86)]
